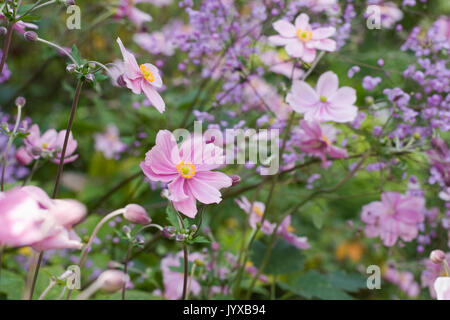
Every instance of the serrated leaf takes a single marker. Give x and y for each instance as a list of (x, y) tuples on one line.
[(76, 55), (172, 217)]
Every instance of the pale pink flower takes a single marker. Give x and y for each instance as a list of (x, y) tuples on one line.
[(49, 145), (390, 14), (404, 280), (255, 212), (442, 287), (287, 232), (327, 102), (395, 216), (30, 218), (317, 140), (301, 40), (173, 280), (127, 9), (188, 169), (109, 142), (142, 78)]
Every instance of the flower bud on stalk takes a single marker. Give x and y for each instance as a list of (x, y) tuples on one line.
[(20, 102), (89, 77), (3, 31), (71, 68), (30, 36)]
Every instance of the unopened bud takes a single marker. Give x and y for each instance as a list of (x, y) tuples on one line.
[(121, 81), (20, 102), (136, 214), (193, 228), (140, 239), (112, 280), (180, 237), (3, 31), (437, 256), (30, 36), (126, 229), (235, 179), (166, 233), (71, 68), (89, 77)]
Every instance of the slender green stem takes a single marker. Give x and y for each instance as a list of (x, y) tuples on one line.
[(125, 268), (190, 281), (35, 275), (186, 271), (8, 146)]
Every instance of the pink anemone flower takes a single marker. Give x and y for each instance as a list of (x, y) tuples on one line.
[(255, 212), (127, 9), (395, 216), (327, 102), (287, 232), (142, 78), (187, 168), (301, 40), (318, 141)]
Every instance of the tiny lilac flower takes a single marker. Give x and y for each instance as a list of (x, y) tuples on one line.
[(142, 78), (327, 102), (301, 40), (109, 142)]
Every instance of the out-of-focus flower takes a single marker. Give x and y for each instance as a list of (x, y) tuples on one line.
[(127, 9), (390, 14), (173, 280), (142, 78), (404, 280), (287, 232), (31, 218), (188, 169), (442, 287), (350, 249), (327, 102), (4, 76), (395, 216), (49, 145), (317, 140), (109, 142), (301, 40), (255, 213)]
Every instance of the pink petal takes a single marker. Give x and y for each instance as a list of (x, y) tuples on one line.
[(188, 207), (285, 28), (327, 84), (204, 192), (322, 33), (295, 49), (153, 96), (301, 97), (302, 22), (344, 96), (325, 45), (177, 189), (309, 55), (155, 176), (215, 179), (132, 70), (280, 41)]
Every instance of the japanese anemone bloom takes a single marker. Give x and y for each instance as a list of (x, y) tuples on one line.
[(318, 141), (255, 212), (50, 144), (395, 216), (287, 232), (30, 218), (127, 9), (327, 102), (301, 40), (188, 169), (142, 78)]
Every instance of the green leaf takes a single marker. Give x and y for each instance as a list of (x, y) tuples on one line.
[(332, 286), (30, 18), (12, 285), (76, 55), (172, 217), (284, 258), (200, 239)]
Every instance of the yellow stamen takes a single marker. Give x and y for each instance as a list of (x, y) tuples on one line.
[(148, 75), (44, 146), (304, 35), (290, 229), (187, 170), (328, 141), (257, 211), (249, 264)]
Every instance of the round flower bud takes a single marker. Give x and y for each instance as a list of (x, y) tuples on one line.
[(89, 77), (136, 214), (30, 36), (121, 81), (20, 102), (180, 237), (193, 228), (140, 239), (437, 256), (112, 280), (126, 229), (71, 68), (69, 2), (235, 179), (3, 31), (166, 233)]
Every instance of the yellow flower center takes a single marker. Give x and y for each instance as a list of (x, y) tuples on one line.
[(328, 141), (44, 146), (249, 264), (304, 35), (187, 170), (323, 99), (148, 75), (258, 211), (290, 229)]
